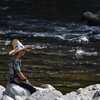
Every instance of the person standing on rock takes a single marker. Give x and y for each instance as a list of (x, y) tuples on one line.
[(14, 74)]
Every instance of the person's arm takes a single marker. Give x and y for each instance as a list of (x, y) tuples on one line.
[(20, 74), (18, 70)]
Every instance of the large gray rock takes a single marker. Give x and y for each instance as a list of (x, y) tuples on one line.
[(91, 19), (48, 92), (88, 93), (5, 97), (69, 96), (45, 94), (2, 89), (12, 90)]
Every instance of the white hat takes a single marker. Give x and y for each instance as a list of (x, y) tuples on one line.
[(18, 46)]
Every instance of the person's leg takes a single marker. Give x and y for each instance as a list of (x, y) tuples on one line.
[(26, 85)]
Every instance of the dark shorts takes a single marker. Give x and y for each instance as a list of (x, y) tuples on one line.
[(26, 85)]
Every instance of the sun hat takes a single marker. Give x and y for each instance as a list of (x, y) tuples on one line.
[(17, 45)]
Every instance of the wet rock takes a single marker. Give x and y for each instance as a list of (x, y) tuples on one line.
[(91, 19)]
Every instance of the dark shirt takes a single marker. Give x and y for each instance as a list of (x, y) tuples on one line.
[(13, 67)]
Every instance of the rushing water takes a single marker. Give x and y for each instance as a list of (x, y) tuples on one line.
[(63, 54)]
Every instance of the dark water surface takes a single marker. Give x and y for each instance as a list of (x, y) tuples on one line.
[(63, 51)]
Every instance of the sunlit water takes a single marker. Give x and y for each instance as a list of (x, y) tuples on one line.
[(63, 54)]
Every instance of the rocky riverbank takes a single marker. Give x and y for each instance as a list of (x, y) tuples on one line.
[(48, 92)]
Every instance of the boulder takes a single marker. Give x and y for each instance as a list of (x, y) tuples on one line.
[(48, 92), (69, 96), (88, 93), (45, 92), (5, 97), (2, 89), (12, 90), (91, 19)]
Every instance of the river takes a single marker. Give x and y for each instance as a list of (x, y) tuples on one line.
[(64, 52)]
